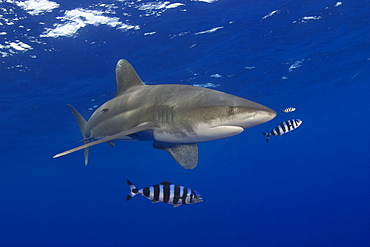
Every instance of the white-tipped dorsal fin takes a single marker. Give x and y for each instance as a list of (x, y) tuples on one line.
[(126, 77)]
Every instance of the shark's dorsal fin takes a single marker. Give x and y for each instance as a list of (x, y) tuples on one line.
[(186, 155), (126, 77)]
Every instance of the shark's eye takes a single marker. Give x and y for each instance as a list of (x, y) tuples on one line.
[(231, 110)]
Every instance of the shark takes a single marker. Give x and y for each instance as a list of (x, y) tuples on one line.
[(174, 117)]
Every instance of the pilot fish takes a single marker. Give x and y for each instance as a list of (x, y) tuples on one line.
[(283, 128), (166, 192), (289, 109)]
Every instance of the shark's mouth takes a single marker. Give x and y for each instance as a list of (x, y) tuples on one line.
[(222, 131), (255, 119)]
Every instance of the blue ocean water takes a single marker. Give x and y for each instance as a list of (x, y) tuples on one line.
[(309, 187)]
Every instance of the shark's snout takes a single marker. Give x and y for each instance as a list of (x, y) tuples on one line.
[(266, 115), (248, 117), (259, 117)]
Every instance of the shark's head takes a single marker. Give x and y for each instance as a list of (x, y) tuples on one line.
[(222, 115), (243, 116)]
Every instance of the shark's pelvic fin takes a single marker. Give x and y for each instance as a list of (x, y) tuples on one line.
[(126, 77), (186, 155), (138, 128), (81, 123), (111, 144)]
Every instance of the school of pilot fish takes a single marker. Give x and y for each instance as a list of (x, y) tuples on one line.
[(284, 127)]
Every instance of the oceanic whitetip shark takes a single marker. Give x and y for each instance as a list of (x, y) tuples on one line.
[(174, 117)]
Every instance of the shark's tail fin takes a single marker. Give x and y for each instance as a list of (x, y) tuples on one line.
[(133, 190), (81, 123), (268, 136)]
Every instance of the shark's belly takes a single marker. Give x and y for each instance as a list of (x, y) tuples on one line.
[(200, 134)]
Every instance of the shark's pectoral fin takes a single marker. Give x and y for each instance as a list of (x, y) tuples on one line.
[(138, 128), (186, 155)]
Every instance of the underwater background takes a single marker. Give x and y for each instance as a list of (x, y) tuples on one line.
[(309, 187)]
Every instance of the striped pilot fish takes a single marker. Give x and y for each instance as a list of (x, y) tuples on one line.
[(166, 192), (289, 109), (283, 128)]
